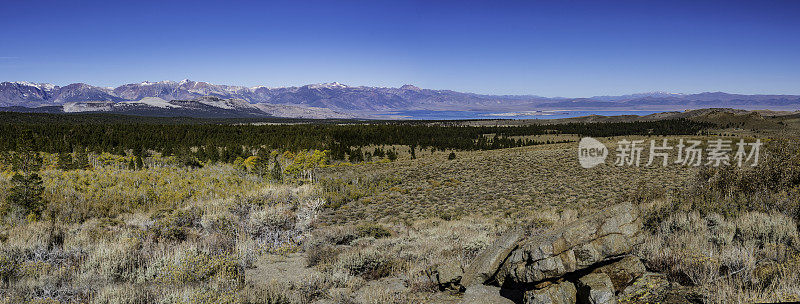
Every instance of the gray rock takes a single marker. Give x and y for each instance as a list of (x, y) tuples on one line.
[(595, 288), (561, 293), (649, 288), (483, 294), (623, 272), (447, 275), (489, 260), (575, 246)]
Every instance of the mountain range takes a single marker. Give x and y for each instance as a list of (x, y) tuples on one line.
[(335, 100)]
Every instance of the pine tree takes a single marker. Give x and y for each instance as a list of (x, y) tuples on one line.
[(260, 165), (139, 163), (26, 194), (276, 173), (64, 161), (81, 159)]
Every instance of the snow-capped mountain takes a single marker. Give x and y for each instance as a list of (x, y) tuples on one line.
[(206, 106), (361, 100), (335, 96)]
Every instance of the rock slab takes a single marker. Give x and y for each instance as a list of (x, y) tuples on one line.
[(484, 294), (576, 246), (561, 293), (595, 288), (487, 263)]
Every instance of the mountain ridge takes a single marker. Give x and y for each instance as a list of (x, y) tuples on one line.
[(365, 100)]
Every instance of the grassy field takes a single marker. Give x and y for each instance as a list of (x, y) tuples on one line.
[(508, 183)]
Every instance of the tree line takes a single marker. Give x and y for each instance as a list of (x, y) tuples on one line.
[(227, 142)]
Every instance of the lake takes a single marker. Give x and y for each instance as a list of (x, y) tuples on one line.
[(462, 115)]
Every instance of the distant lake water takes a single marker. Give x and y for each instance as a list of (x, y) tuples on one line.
[(463, 115)]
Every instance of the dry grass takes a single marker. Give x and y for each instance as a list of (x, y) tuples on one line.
[(511, 183), (373, 233)]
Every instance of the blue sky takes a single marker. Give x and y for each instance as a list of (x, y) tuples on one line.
[(548, 48)]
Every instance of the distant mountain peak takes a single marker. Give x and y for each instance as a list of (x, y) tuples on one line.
[(410, 87), (328, 85), (338, 96)]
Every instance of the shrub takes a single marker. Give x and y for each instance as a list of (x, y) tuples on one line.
[(271, 219), (196, 266), (368, 263), (774, 184), (373, 230), (321, 254), (9, 263), (124, 294), (115, 262), (336, 235), (174, 225)]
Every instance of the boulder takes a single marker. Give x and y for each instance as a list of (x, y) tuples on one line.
[(595, 288), (561, 293), (575, 246), (489, 260), (623, 272), (649, 288), (655, 288), (484, 294), (446, 276)]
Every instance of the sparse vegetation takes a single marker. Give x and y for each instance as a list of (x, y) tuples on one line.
[(299, 225)]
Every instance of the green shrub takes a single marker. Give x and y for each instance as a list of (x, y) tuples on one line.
[(174, 225), (373, 230), (321, 254), (9, 264), (197, 266)]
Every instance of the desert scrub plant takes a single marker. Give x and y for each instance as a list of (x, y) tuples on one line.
[(173, 225), (104, 192), (9, 264), (125, 294), (193, 266), (369, 263), (275, 218), (269, 293), (116, 262), (726, 257), (373, 230), (772, 185)]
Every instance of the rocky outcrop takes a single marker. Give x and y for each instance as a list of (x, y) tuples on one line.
[(485, 265), (446, 276), (576, 246), (485, 294), (589, 252), (623, 272), (561, 293), (649, 288), (595, 288)]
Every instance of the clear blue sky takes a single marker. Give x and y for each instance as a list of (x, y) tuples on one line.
[(549, 48)]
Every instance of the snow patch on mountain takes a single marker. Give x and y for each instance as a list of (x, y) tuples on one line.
[(153, 102), (77, 107)]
